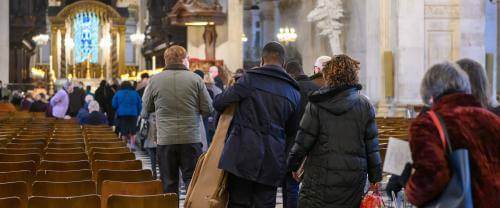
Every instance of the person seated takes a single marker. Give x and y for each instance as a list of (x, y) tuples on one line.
[(27, 101), (40, 104), (83, 112), (95, 117)]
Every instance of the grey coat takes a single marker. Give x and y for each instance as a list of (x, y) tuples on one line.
[(178, 97)]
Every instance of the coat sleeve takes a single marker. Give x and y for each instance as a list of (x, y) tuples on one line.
[(306, 137), (204, 100), (292, 126), (148, 100), (56, 99), (429, 161), (240, 90), (372, 148), (139, 104)]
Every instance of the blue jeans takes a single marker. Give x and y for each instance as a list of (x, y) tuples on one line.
[(290, 192), (152, 157)]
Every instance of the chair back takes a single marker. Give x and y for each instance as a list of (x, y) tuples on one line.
[(115, 165), (122, 175), (66, 145), (65, 156), (108, 150), (149, 201), (64, 166), (20, 150), (63, 189), (89, 201), (35, 157), (129, 188), (11, 202), (26, 145), (17, 166), (15, 189), (65, 150), (113, 156), (106, 144), (63, 176)]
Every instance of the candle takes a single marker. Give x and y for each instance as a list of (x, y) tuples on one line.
[(154, 63), (50, 63)]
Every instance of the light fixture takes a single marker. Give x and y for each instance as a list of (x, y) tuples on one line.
[(244, 38), (137, 38), (105, 42), (41, 39), (287, 35), (199, 23)]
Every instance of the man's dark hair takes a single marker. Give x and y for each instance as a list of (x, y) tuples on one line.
[(144, 76), (273, 52), (294, 68), (88, 87), (125, 84)]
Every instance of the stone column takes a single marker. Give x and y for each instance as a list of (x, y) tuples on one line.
[(472, 27), (498, 48), (121, 50), (114, 53), (63, 53), (269, 21), (53, 48), (4, 42)]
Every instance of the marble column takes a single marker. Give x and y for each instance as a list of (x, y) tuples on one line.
[(4, 41), (121, 50), (114, 53), (53, 49), (269, 20)]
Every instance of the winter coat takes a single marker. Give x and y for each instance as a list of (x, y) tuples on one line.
[(318, 79), (60, 103), (94, 118), (127, 102), (38, 106), (469, 126), (338, 134), (104, 96), (178, 97), (83, 113), (268, 104), (76, 101)]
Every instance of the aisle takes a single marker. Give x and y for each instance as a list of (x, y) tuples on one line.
[(146, 164)]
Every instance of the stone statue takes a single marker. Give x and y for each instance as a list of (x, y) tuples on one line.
[(327, 15)]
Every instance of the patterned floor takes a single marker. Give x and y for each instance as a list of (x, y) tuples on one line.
[(146, 164)]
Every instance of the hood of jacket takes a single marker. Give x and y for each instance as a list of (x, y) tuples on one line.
[(276, 72), (336, 100)]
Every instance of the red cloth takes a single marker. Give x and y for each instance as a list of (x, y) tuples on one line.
[(469, 126)]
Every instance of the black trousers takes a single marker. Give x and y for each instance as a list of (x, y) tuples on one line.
[(249, 194), (171, 159)]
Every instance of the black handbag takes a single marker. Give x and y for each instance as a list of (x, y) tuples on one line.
[(458, 193)]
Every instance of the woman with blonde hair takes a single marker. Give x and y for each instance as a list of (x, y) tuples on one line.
[(338, 135)]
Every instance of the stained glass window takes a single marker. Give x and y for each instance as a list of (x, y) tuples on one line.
[(86, 31)]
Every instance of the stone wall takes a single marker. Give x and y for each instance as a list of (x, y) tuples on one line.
[(4, 41)]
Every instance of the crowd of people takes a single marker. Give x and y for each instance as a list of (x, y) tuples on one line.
[(314, 136)]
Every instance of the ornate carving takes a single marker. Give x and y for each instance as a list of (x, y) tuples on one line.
[(442, 11), (327, 15)]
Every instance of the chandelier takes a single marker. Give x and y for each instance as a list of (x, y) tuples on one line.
[(41, 39), (287, 35), (137, 38)]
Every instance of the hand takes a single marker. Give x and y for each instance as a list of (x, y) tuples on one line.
[(296, 176), (231, 82), (374, 186)]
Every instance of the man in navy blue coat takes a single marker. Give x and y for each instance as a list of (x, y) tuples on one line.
[(255, 151)]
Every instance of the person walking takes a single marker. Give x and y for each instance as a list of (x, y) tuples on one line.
[(60, 101), (338, 135), (446, 88), (143, 84), (104, 96), (306, 85), (128, 106), (76, 100), (178, 97), (268, 101)]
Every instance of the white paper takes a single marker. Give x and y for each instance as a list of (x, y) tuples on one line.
[(397, 155)]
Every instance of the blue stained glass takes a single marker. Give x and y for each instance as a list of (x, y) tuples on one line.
[(86, 31)]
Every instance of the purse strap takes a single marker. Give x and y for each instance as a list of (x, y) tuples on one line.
[(441, 127)]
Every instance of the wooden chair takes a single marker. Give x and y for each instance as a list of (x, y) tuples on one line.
[(115, 165), (20, 157), (122, 175), (64, 150), (106, 144), (64, 166), (66, 145), (15, 189), (17, 166), (63, 176), (16, 140), (148, 201), (65, 156), (63, 189), (21, 150), (56, 140), (11, 202), (15, 176), (129, 188), (25, 145), (94, 140), (113, 156), (108, 150), (89, 201)]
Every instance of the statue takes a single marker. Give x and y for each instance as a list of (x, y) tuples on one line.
[(327, 15)]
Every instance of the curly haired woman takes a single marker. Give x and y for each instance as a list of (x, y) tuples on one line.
[(338, 135)]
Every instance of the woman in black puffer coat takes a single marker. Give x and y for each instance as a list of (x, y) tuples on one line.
[(338, 135)]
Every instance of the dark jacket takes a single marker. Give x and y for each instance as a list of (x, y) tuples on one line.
[(95, 118), (469, 126), (76, 101), (127, 102), (268, 102), (338, 134), (318, 79), (38, 106), (104, 96)]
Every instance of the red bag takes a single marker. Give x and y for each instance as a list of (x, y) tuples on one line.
[(372, 199)]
